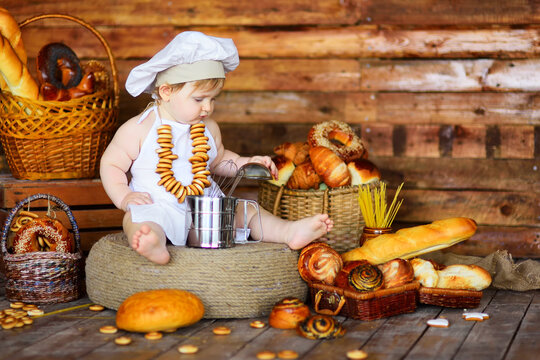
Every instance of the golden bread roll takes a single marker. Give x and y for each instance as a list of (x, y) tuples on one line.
[(464, 277), (396, 272), (285, 169), (288, 313), (297, 152), (304, 177), (319, 262), (159, 310), (424, 272), (329, 167), (363, 172), (410, 242)]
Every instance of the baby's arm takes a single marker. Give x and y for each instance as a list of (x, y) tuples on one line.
[(115, 163), (224, 155)]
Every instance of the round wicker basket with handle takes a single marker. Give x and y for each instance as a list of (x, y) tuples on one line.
[(59, 139), (42, 277)]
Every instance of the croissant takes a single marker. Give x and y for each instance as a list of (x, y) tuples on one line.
[(285, 169), (304, 177), (329, 166), (319, 262), (297, 152)]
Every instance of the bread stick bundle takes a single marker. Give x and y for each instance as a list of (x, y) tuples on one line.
[(414, 241)]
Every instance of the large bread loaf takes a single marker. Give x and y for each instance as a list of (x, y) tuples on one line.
[(410, 242), (15, 73), (11, 31)]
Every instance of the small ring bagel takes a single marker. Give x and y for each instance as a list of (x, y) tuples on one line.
[(338, 137), (58, 65)]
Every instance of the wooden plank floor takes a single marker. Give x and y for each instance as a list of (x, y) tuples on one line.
[(70, 331)]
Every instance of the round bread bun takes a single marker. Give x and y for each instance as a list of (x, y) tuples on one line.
[(285, 169), (159, 310), (363, 172)]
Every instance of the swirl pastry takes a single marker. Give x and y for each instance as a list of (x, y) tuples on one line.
[(320, 327), (366, 277), (319, 262), (342, 278)]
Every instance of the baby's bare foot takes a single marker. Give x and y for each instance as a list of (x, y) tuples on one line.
[(147, 243), (303, 231)]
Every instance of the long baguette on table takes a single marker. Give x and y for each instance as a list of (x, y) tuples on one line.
[(410, 242)]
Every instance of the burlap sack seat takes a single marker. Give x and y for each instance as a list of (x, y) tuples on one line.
[(239, 282)]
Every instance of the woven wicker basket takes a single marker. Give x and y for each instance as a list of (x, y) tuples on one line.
[(341, 204), (59, 139), (332, 300), (43, 277), (464, 299)]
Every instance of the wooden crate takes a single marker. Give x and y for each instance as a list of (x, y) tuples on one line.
[(93, 210)]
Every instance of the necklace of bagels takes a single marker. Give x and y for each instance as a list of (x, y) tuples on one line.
[(198, 160)]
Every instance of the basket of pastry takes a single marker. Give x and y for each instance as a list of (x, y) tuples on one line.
[(322, 175), (42, 257), (57, 125), (357, 289), (456, 286), (452, 286)]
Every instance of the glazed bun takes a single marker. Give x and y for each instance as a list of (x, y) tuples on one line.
[(319, 262), (288, 313), (342, 278), (159, 310), (396, 272), (285, 169), (425, 272), (363, 172)]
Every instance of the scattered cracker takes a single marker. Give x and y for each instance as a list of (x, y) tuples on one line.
[(96, 307), (475, 316), (440, 323), (257, 324), (108, 329), (266, 355), (287, 354), (356, 354), (35, 312), (188, 349), (122, 340), (153, 335), (221, 330), (16, 305)]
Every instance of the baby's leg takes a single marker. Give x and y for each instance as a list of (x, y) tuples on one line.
[(296, 234), (147, 238)]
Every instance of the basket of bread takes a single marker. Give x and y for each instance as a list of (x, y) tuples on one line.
[(322, 175), (42, 257), (56, 125)]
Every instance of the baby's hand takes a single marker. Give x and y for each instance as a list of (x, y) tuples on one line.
[(137, 198), (266, 161)]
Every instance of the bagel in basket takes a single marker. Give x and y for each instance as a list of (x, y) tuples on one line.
[(159, 310)]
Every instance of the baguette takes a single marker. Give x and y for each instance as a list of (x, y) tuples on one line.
[(411, 242), (12, 32), (15, 73)]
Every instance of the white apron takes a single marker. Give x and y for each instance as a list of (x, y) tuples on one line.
[(165, 209)]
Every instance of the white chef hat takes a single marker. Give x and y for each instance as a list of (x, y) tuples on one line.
[(190, 56)]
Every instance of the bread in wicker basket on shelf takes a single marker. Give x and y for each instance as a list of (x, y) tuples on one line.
[(59, 139)]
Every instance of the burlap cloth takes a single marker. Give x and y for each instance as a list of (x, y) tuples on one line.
[(239, 282), (507, 274)]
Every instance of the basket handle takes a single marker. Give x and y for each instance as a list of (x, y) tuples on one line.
[(63, 206), (277, 200), (318, 297), (83, 23)]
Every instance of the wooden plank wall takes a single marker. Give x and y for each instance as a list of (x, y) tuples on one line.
[(445, 93)]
